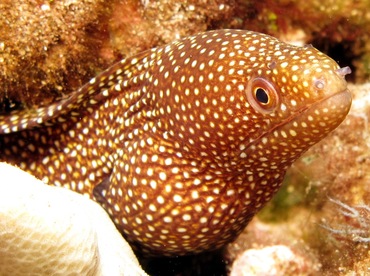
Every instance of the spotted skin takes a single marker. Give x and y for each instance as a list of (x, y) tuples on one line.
[(184, 143)]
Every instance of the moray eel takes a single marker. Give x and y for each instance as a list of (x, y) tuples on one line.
[(183, 144)]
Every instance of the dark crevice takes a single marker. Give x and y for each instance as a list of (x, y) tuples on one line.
[(341, 52), (207, 264)]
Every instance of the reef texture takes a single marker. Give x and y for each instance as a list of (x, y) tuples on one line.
[(271, 260), (50, 48), (323, 211), (46, 49)]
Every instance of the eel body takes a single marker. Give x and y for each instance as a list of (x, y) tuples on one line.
[(184, 143)]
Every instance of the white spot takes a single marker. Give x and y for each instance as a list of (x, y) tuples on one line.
[(177, 198)]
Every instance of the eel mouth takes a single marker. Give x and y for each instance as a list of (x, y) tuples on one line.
[(334, 106), (329, 111), (319, 118), (340, 102)]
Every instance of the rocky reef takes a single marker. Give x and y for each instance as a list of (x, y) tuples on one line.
[(318, 224)]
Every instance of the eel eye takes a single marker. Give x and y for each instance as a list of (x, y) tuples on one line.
[(262, 95)]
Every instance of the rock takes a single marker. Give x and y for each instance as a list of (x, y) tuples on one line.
[(269, 261)]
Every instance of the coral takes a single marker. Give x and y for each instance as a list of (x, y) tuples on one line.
[(47, 230), (357, 224)]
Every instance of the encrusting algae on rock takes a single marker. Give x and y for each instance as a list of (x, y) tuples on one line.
[(184, 143)]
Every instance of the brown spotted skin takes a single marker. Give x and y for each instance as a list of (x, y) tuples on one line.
[(184, 143)]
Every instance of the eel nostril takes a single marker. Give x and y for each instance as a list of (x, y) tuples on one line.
[(319, 84), (344, 71)]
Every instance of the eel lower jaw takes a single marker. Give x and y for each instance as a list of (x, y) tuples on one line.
[(339, 102), (325, 115), (342, 100)]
